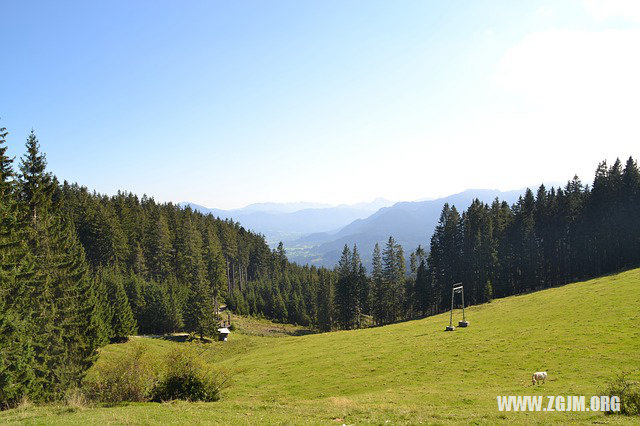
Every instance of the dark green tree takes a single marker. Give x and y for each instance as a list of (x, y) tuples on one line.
[(16, 327), (64, 304), (393, 272), (381, 293), (325, 301), (123, 322), (158, 246), (346, 296)]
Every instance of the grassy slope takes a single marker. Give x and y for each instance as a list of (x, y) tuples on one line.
[(582, 334)]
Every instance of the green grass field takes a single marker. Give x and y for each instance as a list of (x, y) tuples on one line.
[(582, 334)]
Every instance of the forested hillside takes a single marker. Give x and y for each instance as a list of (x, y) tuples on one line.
[(80, 270)]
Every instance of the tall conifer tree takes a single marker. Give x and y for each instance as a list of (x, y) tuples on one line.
[(67, 329), (16, 326)]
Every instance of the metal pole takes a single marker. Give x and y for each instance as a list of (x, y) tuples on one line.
[(451, 315), (463, 319)]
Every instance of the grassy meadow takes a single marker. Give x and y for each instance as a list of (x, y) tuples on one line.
[(582, 334)]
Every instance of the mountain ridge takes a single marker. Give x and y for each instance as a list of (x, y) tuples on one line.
[(411, 223), (277, 223), (316, 235)]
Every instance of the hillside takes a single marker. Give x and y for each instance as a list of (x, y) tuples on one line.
[(582, 334)]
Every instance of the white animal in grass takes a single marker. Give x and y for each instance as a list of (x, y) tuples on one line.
[(538, 377)]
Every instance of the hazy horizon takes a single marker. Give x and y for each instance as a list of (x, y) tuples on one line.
[(314, 204)]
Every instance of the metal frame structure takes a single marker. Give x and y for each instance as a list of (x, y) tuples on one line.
[(457, 288)]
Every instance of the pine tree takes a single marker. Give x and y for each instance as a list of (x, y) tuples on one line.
[(6, 167), (173, 306), (158, 246), (380, 295), (630, 212), (359, 287), (123, 323), (478, 252), (106, 243), (445, 257), (214, 265), (501, 220), (393, 273), (200, 316), (154, 315), (200, 309), (424, 297), (400, 286), (325, 301), (137, 260), (189, 261), (75, 302), (279, 307), (229, 241), (36, 185), (134, 287), (104, 311), (66, 327), (346, 292), (16, 352), (417, 289)]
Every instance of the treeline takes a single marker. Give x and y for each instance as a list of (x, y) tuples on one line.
[(174, 265), (178, 266), (553, 237), (79, 270), (294, 295)]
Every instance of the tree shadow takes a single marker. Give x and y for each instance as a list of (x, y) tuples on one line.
[(303, 332), (180, 338)]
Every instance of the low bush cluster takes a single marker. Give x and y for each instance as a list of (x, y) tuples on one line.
[(188, 378), (128, 376), (629, 393), (137, 377)]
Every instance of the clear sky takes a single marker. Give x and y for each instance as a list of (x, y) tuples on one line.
[(226, 103)]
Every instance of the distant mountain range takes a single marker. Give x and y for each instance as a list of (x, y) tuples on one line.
[(410, 223), (316, 233), (289, 221)]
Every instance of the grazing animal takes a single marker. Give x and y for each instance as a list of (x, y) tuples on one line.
[(538, 377)]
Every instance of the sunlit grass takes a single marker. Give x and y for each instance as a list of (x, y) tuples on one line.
[(582, 334)]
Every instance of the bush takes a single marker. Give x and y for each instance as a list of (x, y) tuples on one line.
[(188, 378), (134, 376), (629, 393), (126, 377)]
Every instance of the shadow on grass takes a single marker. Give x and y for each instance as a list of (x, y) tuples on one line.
[(180, 338), (303, 332)]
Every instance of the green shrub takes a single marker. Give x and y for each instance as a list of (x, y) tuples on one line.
[(186, 377), (134, 376), (125, 377), (629, 393)]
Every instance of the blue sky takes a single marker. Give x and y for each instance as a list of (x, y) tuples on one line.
[(229, 103)]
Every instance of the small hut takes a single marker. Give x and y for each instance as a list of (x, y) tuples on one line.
[(224, 333)]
